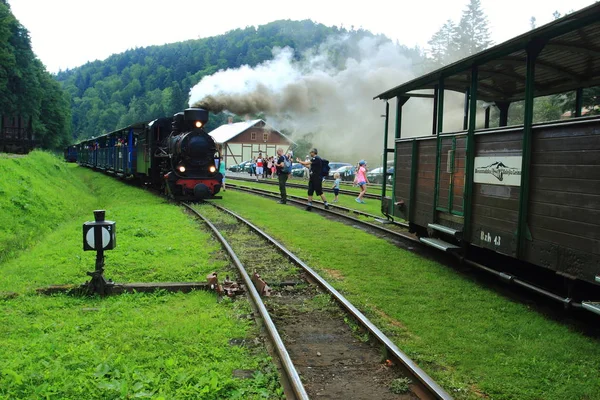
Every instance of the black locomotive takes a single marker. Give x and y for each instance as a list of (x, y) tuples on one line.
[(174, 154)]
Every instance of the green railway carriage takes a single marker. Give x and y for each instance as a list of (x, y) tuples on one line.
[(529, 191)]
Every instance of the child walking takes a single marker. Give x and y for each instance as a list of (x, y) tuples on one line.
[(336, 186), (361, 180)]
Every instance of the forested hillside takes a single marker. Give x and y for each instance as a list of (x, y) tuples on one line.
[(27, 89), (146, 83)]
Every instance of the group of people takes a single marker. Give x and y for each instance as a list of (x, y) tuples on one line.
[(280, 166), (265, 167)]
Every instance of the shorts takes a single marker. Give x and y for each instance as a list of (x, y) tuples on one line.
[(315, 185), (223, 180), (259, 170), (336, 191), (362, 183)]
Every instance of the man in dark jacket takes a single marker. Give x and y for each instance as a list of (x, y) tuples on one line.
[(315, 180)]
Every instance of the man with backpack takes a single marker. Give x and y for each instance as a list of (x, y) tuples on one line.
[(284, 168), (318, 169)]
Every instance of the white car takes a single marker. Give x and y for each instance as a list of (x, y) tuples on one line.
[(335, 167)]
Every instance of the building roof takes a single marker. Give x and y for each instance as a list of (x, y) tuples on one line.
[(570, 59), (226, 132)]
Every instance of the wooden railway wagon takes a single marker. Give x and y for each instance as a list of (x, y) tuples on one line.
[(16, 135), (529, 191)]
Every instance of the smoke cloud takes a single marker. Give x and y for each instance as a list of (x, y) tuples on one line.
[(322, 95)]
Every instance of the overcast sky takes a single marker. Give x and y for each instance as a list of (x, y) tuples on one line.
[(68, 33)]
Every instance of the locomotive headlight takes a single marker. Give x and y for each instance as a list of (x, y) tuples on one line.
[(198, 124), (212, 168), (181, 168)]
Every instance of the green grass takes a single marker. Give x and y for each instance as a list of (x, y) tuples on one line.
[(155, 241), (372, 206), (472, 340), (37, 193), (161, 346)]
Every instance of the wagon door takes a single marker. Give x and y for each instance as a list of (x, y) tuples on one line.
[(450, 184)]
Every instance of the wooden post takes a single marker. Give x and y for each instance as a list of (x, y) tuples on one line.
[(503, 106), (533, 50), (470, 161), (578, 102)]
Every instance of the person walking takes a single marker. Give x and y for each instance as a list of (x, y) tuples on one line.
[(283, 172), (315, 181), (222, 171), (361, 180), (259, 166), (274, 166), (253, 166), (336, 186)]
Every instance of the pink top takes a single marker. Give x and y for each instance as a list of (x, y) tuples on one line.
[(360, 176)]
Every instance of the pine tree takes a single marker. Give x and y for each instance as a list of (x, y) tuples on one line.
[(532, 22), (473, 31), (444, 44)]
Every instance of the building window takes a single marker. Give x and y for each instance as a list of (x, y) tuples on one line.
[(265, 136), (253, 136)]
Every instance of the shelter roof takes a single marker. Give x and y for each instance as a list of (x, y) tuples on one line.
[(570, 59)]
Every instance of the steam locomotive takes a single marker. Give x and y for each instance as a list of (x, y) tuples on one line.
[(174, 155)]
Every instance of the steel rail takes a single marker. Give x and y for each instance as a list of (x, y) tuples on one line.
[(510, 279), (286, 361), (347, 209), (426, 382), (303, 186)]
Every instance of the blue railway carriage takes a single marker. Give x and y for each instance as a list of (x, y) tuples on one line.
[(71, 154), (113, 152), (504, 180)]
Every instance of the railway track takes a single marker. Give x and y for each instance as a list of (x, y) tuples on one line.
[(304, 186), (397, 230), (300, 201), (307, 328)]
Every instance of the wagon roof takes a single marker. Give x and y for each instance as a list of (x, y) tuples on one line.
[(569, 60)]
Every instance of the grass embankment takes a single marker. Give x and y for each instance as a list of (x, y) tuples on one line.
[(144, 345), (474, 341), (372, 206)]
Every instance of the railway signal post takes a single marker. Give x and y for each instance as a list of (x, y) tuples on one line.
[(99, 235)]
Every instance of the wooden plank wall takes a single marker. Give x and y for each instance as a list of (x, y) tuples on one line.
[(458, 175), (427, 152), (495, 208), (564, 206), (402, 175), (443, 175)]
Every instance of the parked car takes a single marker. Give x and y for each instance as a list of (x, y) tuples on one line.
[(238, 167), (297, 170), (335, 166), (376, 175), (346, 172)]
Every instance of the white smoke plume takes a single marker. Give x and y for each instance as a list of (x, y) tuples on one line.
[(312, 96)]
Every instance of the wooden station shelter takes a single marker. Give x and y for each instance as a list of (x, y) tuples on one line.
[(241, 141)]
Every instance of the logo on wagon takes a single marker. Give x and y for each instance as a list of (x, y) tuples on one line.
[(498, 171)]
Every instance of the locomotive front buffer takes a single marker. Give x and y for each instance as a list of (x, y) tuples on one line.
[(99, 235)]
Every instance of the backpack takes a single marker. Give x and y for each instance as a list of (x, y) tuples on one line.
[(287, 165), (325, 167)]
